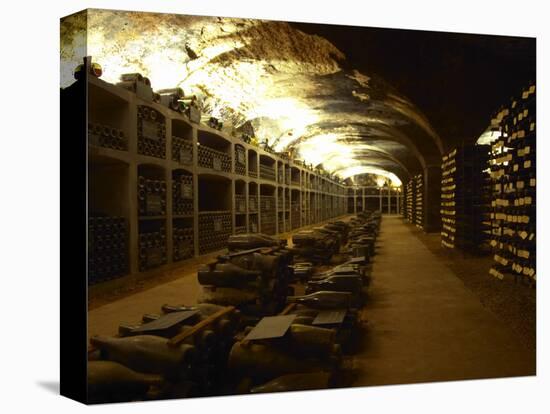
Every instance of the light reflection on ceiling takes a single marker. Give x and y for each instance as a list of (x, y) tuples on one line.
[(290, 85)]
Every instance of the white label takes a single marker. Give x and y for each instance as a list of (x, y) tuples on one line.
[(186, 190), (216, 164), (527, 164)]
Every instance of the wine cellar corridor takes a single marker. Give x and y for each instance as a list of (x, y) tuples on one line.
[(276, 206)]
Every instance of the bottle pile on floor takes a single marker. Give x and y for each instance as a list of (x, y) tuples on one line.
[(271, 318)]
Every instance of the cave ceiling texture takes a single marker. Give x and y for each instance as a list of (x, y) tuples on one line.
[(354, 100)]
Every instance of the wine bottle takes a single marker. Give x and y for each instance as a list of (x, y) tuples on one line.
[(311, 340), (226, 275), (337, 283), (263, 361), (110, 381), (324, 300), (295, 382), (147, 354)]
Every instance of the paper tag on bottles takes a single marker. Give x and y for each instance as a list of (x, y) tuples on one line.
[(217, 164), (186, 190), (154, 204), (186, 156)]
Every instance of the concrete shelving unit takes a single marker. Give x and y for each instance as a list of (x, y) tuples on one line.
[(205, 184)]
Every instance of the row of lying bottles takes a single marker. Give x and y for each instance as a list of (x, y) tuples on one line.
[(152, 248), (106, 136), (212, 348), (107, 248), (465, 195), (151, 132), (215, 228), (513, 175)]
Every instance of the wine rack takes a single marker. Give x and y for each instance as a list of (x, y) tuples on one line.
[(151, 131), (253, 222), (182, 150), (107, 137), (295, 214), (107, 248), (267, 211), (213, 159), (280, 175), (410, 202), (281, 222), (419, 201), (172, 185), (183, 243), (513, 177), (240, 160), (240, 203), (267, 172), (253, 203), (464, 203), (214, 229), (182, 194), (151, 197), (152, 246)]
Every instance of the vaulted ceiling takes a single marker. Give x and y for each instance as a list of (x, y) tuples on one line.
[(329, 104)]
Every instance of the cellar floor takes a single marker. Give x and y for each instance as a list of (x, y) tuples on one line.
[(423, 323)]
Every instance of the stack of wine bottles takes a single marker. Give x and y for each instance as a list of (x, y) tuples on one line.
[(151, 197), (281, 175), (513, 176), (240, 160), (253, 222), (267, 212), (252, 203), (280, 202), (240, 203), (107, 248), (152, 248), (315, 245), (419, 200), (182, 195), (182, 150), (254, 279), (214, 159), (267, 172), (410, 201), (295, 214), (138, 84), (151, 130), (305, 357), (252, 170), (178, 353), (464, 201), (183, 247), (108, 137), (214, 229), (281, 222)]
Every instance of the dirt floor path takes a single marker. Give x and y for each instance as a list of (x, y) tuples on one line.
[(425, 325)]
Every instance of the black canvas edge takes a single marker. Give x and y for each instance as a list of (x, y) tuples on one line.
[(73, 241)]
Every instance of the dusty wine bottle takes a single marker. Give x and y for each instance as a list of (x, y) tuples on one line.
[(324, 300), (147, 354)]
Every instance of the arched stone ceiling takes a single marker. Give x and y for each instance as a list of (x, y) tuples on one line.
[(290, 85)]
